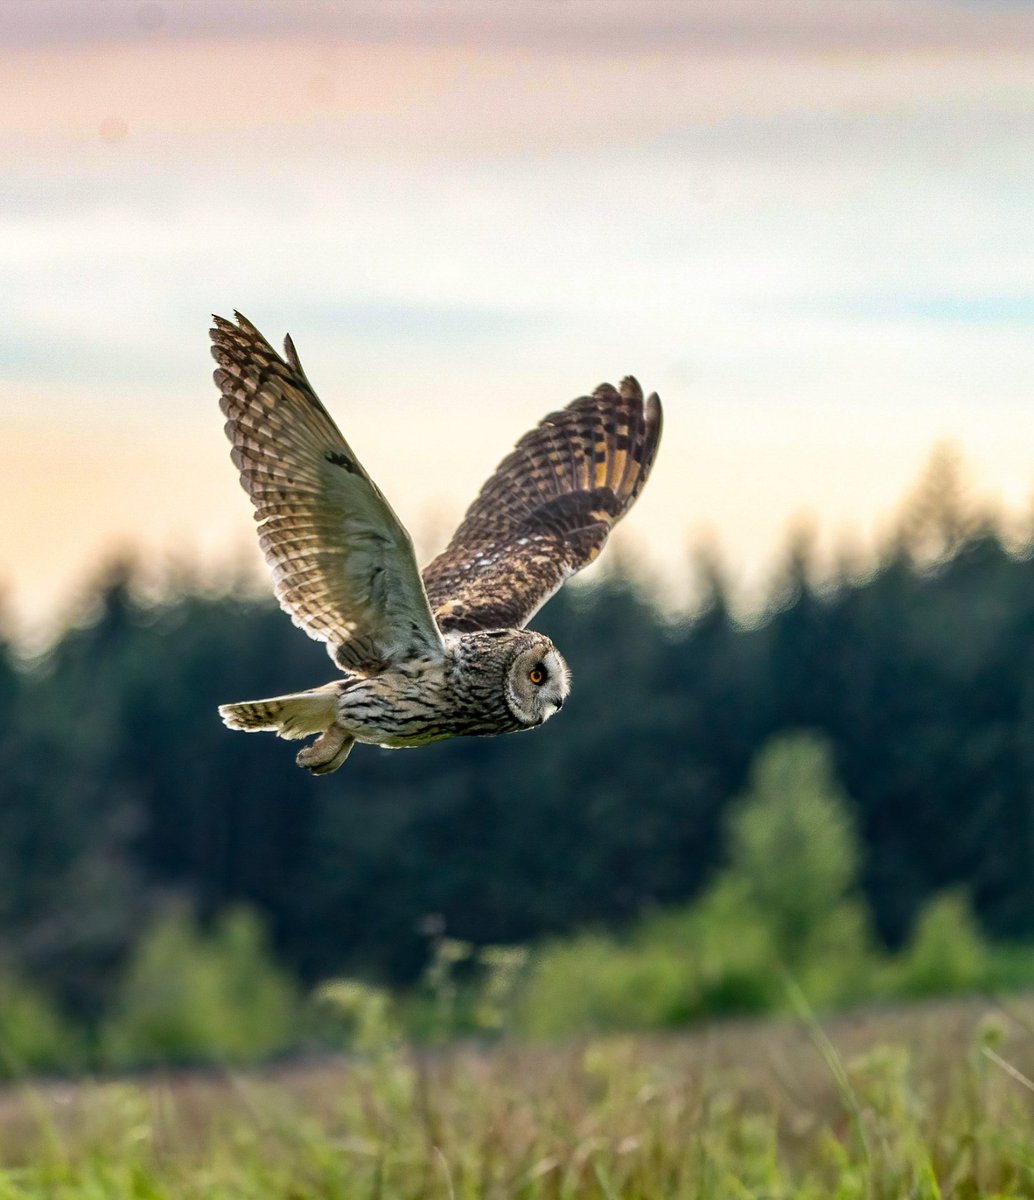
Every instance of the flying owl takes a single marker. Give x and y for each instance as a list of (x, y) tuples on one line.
[(445, 653)]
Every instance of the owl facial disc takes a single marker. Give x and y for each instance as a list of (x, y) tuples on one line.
[(537, 683)]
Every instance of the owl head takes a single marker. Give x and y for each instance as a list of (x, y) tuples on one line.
[(537, 679)]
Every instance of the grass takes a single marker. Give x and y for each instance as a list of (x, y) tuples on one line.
[(925, 1102)]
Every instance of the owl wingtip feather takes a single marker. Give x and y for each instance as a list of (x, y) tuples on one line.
[(654, 413), (630, 389), (291, 355), (246, 326)]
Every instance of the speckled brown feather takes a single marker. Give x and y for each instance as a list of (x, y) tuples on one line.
[(546, 511), (342, 563)]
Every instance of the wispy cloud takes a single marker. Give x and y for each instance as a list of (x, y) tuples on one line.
[(568, 25), (932, 308), (807, 224)]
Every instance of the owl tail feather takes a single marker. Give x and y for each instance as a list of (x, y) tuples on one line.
[(294, 716)]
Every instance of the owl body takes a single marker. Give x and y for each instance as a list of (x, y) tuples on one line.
[(443, 653), (481, 686), (468, 692)]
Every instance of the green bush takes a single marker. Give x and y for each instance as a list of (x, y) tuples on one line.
[(946, 952), (34, 1036), (357, 1016), (792, 842), (189, 996), (464, 990), (593, 982), (727, 947), (713, 958), (1011, 966), (841, 962), (783, 903)]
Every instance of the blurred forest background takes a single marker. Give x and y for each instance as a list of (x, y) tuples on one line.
[(839, 789), (795, 775)]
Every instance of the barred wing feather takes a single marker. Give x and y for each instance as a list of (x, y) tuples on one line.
[(547, 510), (342, 563)]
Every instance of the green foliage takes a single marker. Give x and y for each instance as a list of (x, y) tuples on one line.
[(726, 946), (716, 957), (792, 843), (592, 982), (842, 963), (358, 1016), (34, 1036), (946, 952), (189, 996), (465, 990), (924, 1104), (783, 903), (917, 672), (502, 972)]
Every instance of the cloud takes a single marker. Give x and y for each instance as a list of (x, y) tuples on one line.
[(571, 26), (933, 308), (809, 229)]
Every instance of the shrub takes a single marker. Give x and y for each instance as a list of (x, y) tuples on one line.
[(792, 842), (592, 982), (188, 996), (34, 1036), (357, 1016), (727, 947), (784, 901), (841, 962), (712, 958), (946, 952)]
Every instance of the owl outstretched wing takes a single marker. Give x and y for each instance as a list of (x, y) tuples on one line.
[(547, 510), (342, 563)]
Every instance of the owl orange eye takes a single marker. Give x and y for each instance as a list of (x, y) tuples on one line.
[(537, 675)]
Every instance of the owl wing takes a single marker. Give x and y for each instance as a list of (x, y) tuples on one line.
[(547, 510), (343, 565)]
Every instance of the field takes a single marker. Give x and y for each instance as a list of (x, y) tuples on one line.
[(927, 1101)]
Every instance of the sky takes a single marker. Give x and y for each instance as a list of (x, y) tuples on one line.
[(806, 225)]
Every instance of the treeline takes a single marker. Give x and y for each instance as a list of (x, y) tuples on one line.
[(124, 797), (781, 926)]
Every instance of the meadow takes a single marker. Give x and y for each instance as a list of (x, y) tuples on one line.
[(426, 982), (930, 1100)]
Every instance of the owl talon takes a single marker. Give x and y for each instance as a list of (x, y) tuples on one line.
[(326, 753), (323, 769)]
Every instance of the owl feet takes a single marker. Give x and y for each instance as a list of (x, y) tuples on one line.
[(327, 752)]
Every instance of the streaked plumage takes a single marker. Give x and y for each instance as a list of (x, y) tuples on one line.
[(444, 654)]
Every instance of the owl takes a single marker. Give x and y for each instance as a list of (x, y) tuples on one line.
[(446, 652)]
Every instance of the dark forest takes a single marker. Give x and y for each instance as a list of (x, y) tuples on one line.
[(123, 794)]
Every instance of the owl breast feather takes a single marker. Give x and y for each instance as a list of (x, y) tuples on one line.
[(426, 701)]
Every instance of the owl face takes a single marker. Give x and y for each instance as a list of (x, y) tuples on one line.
[(537, 682)]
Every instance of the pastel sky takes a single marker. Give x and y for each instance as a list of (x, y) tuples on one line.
[(807, 225)]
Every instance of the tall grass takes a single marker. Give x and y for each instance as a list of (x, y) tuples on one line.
[(922, 1102)]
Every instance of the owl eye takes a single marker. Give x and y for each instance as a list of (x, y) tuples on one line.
[(537, 675)]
